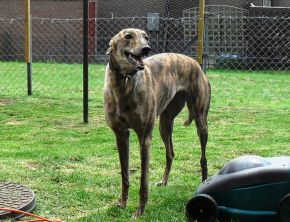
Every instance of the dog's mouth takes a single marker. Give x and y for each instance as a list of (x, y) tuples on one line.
[(135, 60)]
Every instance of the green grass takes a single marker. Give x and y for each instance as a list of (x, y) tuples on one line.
[(73, 168)]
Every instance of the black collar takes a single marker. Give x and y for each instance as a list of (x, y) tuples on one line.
[(114, 66)]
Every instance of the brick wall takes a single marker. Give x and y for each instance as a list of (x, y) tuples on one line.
[(61, 40), (53, 40), (67, 9)]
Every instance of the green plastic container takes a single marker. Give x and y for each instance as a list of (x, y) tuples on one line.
[(247, 189)]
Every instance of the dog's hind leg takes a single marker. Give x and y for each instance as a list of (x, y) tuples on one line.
[(166, 129), (202, 131), (199, 109), (122, 138), (198, 103)]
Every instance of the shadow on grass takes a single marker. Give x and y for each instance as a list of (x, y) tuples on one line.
[(168, 205)]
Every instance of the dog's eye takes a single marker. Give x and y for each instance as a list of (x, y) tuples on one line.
[(146, 37), (128, 36)]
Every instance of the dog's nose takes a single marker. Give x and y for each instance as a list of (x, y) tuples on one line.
[(146, 50)]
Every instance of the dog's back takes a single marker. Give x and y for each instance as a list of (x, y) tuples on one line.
[(172, 73)]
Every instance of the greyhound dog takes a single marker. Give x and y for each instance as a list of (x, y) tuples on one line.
[(138, 90)]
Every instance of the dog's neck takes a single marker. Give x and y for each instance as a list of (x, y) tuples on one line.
[(114, 66)]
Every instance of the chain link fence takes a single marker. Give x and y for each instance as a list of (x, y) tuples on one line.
[(253, 39), (12, 73), (238, 36), (56, 35)]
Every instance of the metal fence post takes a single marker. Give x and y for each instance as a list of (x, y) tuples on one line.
[(200, 32), (85, 62), (206, 45), (28, 59)]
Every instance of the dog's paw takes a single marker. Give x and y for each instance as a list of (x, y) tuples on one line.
[(138, 213), (121, 204), (161, 183)]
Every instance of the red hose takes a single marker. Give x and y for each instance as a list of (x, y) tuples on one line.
[(39, 219)]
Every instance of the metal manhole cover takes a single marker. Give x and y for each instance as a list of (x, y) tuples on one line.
[(15, 196)]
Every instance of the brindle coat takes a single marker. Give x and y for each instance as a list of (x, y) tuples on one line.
[(138, 91)]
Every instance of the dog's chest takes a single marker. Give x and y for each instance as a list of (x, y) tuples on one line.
[(126, 105), (134, 106)]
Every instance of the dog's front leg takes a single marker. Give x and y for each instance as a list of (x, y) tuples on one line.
[(145, 144), (122, 137)]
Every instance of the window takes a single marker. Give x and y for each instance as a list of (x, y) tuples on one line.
[(267, 3)]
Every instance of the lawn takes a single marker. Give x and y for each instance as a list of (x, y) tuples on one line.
[(74, 170)]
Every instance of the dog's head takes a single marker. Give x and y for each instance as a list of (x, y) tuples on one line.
[(129, 47)]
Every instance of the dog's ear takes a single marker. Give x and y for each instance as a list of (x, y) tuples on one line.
[(112, 45)]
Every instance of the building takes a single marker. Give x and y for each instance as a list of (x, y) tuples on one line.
[(57, 26)]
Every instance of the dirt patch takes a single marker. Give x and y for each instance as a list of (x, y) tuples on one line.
[(33, 165), (5, 102), (14, 122)]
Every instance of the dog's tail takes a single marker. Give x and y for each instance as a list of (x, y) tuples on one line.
[(190, 111)]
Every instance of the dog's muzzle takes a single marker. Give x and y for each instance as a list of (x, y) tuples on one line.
[(137, 60)]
